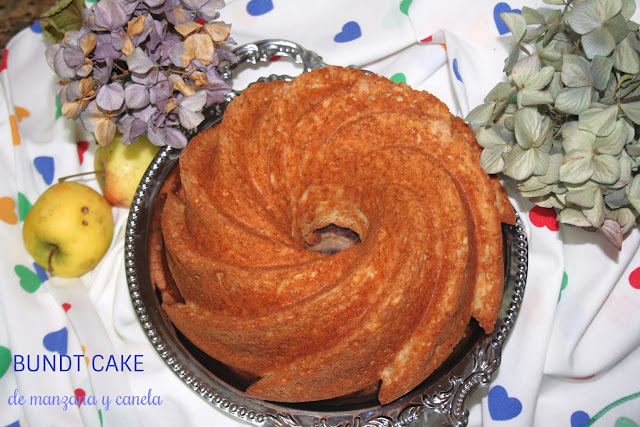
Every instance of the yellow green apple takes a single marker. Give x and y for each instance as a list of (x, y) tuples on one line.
[(68, 229), (120, 168)]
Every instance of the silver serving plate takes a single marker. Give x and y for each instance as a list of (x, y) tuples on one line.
[(440, 399)]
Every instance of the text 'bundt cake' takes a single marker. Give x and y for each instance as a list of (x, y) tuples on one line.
[(334, 233)]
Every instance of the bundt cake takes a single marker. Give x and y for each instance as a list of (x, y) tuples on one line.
[(333, 233)]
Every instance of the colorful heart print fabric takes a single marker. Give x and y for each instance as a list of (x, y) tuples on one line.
[(572, 358)]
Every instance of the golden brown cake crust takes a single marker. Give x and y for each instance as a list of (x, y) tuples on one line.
[(334, 146)]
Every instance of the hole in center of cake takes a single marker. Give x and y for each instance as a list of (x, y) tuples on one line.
[(332, 239)]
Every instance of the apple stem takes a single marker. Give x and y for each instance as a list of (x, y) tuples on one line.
[(53, 250), (64, 178)]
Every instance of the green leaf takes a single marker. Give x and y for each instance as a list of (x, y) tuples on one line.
[(632, 110), (65, 15), (575, 71), (573, 217), (520, 163), (480, 115), (626, 58), (606, 169), (573, 100), (600, 120), (601, 71), (598, 42), (503, 90), (577, 166), (516, 23), (613, 143), (554, 2)]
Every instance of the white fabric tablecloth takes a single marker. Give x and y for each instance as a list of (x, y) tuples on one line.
[(573, 357)]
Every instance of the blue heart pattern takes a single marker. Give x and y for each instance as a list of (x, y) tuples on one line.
[(259, 7), (497, 10), (455, 69), (45, 165), (36, 27), (41, 272), (350, 31), (501, 406), (56, 341), (579, 418)]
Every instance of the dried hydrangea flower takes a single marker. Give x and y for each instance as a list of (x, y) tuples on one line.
[(572, 99), (142, 66)]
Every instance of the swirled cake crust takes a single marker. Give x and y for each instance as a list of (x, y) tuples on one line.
[(332, 234)]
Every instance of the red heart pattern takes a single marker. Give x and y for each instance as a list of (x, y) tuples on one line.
[(83, 146), (544, 217), (634, 278), (80, 395)]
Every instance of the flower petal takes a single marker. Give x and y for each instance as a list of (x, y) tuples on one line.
[(195, 102), (573, 138), (575, 71), (104, 131), (574, 100), (606, 169), (110, 97), (175, 138), (577, 166), (520, 163), (139, 62), (598, 42), (110, 15), (573, 217), (190, 119), (136, 96)]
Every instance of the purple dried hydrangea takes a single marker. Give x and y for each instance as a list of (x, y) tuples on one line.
[(142, 67)]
